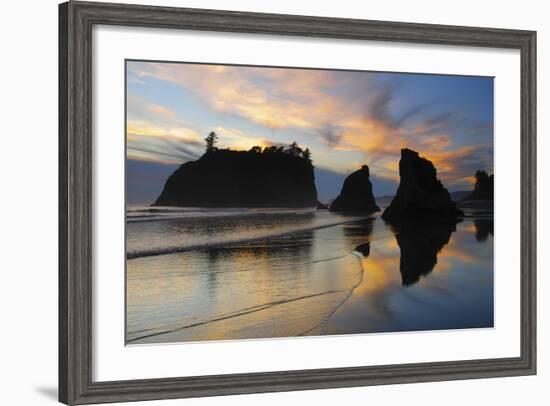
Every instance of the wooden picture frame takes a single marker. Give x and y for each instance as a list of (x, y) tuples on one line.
[(76, 20)]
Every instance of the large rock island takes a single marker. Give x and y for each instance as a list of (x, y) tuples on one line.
[(420, 193), (356, 194), (272, 177)]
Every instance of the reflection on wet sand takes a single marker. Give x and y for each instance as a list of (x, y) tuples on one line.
[(361, 277), (484, 227), (272, 288), (445, 281), (420, 242), (363, 249)]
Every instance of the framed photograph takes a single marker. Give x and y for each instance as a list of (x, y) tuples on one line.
[(257, 202)]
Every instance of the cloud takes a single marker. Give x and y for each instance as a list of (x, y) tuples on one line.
[(436, 123), (378, 106), (381, 134), (178, 132), (414, 111), (332, 135), (155, 133), (345, 113), (164, 111), (275, 98), (165, 145), (139, 108), (458, 166), (161, 150), (237, 139)]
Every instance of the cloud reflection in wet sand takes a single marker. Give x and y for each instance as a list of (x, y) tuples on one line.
[(337, 280), (456, 293)]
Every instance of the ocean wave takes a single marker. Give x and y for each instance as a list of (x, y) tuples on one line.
[(143, 214), (232, 239)]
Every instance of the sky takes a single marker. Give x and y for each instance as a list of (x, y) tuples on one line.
[(346, 118)]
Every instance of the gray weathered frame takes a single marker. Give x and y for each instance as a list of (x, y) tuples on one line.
[(76, 20)]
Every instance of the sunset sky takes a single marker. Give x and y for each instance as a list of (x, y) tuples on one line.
[(347, 119)]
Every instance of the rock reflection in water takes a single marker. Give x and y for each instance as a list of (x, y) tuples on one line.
[(483, 227), (420, 241), (359, 234), (341, 279), (363, 249), (360, 229)]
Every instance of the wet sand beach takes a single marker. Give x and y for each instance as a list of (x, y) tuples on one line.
[(264, 274)]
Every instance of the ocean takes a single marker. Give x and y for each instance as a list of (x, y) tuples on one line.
[(226, 274)]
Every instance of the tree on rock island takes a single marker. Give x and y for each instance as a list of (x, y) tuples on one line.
[(211, 142)]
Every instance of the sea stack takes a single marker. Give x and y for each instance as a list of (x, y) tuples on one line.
[(223, 178), (420, 193), (356, 194), (484, 188)]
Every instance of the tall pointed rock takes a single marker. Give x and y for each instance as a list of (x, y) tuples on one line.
[(356, 194), (420, 193)]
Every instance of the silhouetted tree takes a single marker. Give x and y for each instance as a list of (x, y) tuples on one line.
[(211, 142), (307, 155), (256, 149), (484, 187), (270, 149), (294, 149), (482, 180)]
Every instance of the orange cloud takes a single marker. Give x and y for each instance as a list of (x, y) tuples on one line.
[(276, 98), (146, 129), (155, 108), (304, 100), (240, 140)]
